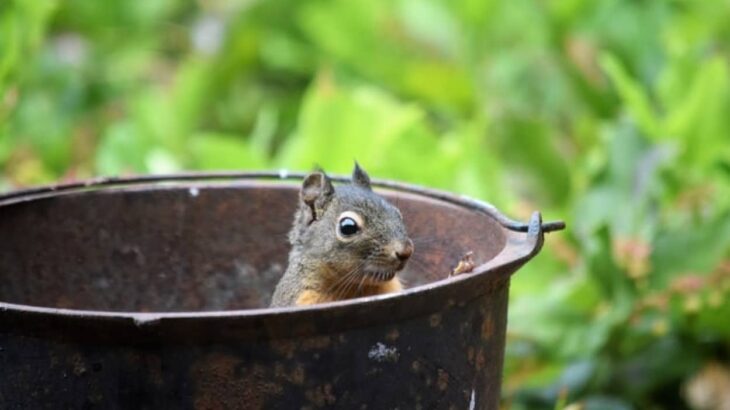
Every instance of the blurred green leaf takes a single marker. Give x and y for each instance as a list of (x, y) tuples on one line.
[(122, 150), (698, 115), (634, 96), (527, 145), (5, 145), (220, 152), (699, 249)]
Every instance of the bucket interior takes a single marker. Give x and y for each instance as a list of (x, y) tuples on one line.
[(200, 247)]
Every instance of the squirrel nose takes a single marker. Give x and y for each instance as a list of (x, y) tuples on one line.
[(404, 250)]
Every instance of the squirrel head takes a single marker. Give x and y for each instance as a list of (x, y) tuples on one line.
[(349, 230)]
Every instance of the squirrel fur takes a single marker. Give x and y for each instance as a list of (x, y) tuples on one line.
[(347, 241)]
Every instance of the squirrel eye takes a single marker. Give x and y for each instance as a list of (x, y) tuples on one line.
[(349, 224)]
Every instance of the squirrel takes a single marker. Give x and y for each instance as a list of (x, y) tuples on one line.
[(347, 241)]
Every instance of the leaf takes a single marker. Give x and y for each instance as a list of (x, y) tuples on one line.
[(538, 167), (337, 126), (215, 151), (160, 161), (698, 118), (698, 249), (6, 146), (48, 137), (123, 149), (399, 53), (662, 361), (633, 95), (190, 97)]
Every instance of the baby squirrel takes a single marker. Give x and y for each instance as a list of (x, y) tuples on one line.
[(346, 242)]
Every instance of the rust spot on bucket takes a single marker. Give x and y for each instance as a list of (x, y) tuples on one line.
[(442, 380), (222, 382), (321, 395), (487, 327), (304, 328), (285, 347), (393, 334), (295, 376), (319, 342), (78, 364), (480, 359)]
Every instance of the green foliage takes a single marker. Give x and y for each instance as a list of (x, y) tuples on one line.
[(611, 114)]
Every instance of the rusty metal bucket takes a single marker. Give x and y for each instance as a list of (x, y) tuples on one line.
[(151, 292)]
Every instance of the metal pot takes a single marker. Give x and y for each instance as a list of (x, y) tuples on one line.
[(151, 292)]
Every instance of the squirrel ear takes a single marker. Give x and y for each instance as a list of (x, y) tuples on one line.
[(316, 192), (360, 177)]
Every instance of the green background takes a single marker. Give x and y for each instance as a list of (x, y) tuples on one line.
[(613, 115)]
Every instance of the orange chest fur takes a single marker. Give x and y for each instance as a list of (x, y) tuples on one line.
[(312, 296)]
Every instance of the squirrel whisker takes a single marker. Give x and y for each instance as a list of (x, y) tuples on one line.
[(341, 283), (359, 285)]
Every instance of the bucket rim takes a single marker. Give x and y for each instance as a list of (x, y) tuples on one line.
[(524, 240)]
